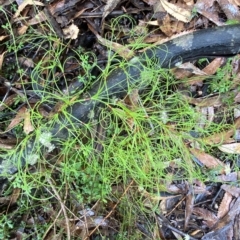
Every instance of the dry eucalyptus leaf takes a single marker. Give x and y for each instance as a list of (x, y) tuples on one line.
[(206, 159), (123, 51), (223, 137), (206, 8), (191, 68), (24, 4), (235, 191), (179, 13), (3, 37), (232, 148), (22, 30), (1, 59), (225, 205), (111, 4), (213, 66), (38, 18), (17, 119)]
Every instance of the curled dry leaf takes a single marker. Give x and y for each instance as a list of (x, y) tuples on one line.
[(179, 13), (71, 32), (233, 148)]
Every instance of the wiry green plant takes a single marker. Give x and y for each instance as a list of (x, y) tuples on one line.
[(137, 143)]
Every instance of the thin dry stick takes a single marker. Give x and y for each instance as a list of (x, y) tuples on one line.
[(114, 207), (63, 208)]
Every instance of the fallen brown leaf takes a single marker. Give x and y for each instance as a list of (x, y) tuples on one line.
[(1, 59), (71, 32), (232, 148), (109, 7), (231, 177), (17, 119), (208, 160), (223, 137), (24, 4), (122, 50), (209, 217), (234, 191), (213, 66), (27, 127), (225, 205), (232, 12), (179, 13)]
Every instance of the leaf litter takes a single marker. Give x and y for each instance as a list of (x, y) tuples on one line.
[(206, 207)]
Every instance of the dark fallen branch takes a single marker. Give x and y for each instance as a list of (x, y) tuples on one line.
[(222, 41)]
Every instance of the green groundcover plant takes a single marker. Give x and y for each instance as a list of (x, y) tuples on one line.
[(129, 142)]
